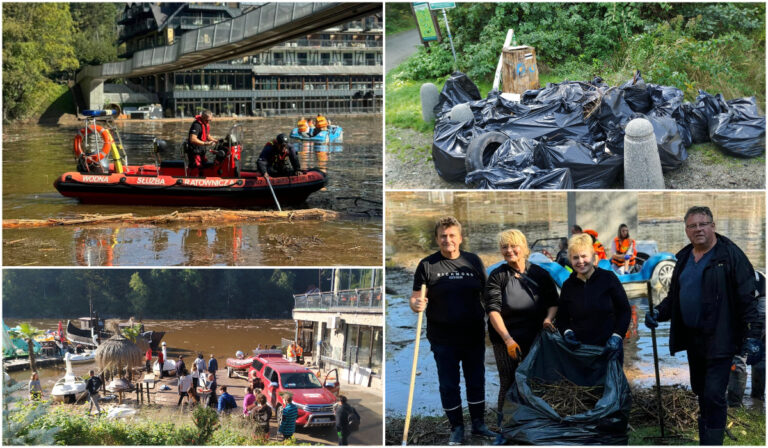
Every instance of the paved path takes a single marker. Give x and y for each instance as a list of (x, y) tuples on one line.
[(399, 46)]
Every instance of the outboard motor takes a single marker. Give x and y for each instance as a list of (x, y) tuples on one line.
[(159, 146)]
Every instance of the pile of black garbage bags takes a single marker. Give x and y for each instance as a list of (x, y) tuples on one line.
[(571, 134)]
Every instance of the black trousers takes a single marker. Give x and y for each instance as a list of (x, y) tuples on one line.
[(181, 397), (507, 367), (343, 438), (450, 359), (709, 381)]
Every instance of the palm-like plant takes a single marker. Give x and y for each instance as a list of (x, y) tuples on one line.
[(28, 333), (133, 332)]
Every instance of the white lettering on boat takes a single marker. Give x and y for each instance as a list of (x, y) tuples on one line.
[(207, 182), (96, 179), (150, 181)]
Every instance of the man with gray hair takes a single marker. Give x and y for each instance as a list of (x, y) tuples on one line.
[(455, 325), (712, 307), (200, 138)]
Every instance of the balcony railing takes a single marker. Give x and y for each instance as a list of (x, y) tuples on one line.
[(329, 43), (352, 298)]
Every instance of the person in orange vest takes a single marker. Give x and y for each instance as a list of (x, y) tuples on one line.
[(321, 124), (624, 251), (291, 352), (299, 354), (599, 248), (303, 127)]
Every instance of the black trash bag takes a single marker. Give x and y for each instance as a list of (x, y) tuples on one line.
[(529, 420), (668, 101), (698, 115), (504, 178), (449, 148), (739, 131), (611, 117), (510, 158), (457, 89), (590, 165), (490, 113), (566, 91), (556, 121), (669, 142), (636, 94)]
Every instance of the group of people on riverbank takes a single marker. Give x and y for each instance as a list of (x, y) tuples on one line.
[(712, 303)]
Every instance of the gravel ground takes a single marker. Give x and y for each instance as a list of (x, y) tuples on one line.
[(409, 166)]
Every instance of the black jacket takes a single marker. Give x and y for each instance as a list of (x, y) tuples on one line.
[(594, 309), (342, 418), (93, 384), (729, 306)]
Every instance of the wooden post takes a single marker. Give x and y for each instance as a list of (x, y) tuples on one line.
[(520, 71)]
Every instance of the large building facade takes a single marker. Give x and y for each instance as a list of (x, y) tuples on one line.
[(338, 70)]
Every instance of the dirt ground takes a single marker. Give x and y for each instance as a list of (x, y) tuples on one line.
[(408, 165)]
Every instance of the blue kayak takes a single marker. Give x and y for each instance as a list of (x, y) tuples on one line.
[(334, 134)]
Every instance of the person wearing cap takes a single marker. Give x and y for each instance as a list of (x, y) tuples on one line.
[(278, 158)]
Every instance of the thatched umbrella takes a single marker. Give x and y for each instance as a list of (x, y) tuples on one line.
[(117, 353)]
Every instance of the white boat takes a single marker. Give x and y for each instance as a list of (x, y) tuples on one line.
[(70, 388), (79, 358), (169, 366)]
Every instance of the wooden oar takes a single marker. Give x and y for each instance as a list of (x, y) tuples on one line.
[(413, 369)]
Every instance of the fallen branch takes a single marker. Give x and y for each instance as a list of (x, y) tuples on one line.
[(201, 216)]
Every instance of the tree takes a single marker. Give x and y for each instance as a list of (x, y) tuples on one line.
[(37, 44), (17, 419), (139, 295), (95, 37), (27, 332)]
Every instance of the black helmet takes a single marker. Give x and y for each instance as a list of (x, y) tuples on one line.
[(281, 139)]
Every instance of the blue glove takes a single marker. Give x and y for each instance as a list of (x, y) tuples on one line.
[(627, 257), (614, 347), (570, 340), (751, 349), (652, 319)]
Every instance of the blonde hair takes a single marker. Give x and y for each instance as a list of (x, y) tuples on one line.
[(514, 237), (580, 242)]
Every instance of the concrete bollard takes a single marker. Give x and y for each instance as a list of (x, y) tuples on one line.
[(461, 113), (642, 166), (429, 98)]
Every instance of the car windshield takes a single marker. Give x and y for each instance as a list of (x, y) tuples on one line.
[(302, 380)]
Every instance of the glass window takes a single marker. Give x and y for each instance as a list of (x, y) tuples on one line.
[(364, 350), (376, 351)]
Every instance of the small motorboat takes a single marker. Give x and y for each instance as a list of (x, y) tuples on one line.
[(238, 364), (80, 358), (104, 176), (334, 134), (70, 388)]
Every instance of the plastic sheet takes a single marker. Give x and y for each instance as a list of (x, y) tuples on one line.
[(503, 178), (457, 89), (529, 420), (590, 166)]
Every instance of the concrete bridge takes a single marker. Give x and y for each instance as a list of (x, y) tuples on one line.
[(259, 29)]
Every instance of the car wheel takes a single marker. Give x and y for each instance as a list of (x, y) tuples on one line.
[(279, 415), (662, 275), (481, 149)]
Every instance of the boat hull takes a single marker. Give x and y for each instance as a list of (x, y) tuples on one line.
[(171, 190), (335, 134)]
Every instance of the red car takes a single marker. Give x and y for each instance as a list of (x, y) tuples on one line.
[(314, 400)]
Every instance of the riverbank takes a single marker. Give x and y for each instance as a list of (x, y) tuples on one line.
[(161, 413), (747, 426)]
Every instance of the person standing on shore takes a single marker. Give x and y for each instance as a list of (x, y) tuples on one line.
[(289, 416), (712, 307), (200, 363), (213, 366), (148, 359), (92, 386), (455, 325), (35, 389)]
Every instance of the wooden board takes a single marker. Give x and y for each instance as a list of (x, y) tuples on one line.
[(520, 71)]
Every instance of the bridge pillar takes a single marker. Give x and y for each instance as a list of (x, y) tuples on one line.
[(93, 92), (603, 212)]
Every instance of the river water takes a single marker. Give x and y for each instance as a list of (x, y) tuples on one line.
[(410, 221), (34, 156), (220, 337)]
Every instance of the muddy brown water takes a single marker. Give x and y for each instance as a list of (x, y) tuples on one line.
[(34, 156), (220, 337)]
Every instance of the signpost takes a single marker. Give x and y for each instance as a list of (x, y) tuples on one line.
[(443, 6), (427, 25)]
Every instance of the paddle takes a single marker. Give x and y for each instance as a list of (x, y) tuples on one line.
[(413, 370), (266, 176)]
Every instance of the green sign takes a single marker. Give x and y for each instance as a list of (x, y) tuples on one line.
[(424, 19), (441, 5)]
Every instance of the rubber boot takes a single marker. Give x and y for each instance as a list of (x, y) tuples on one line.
[(479, 428), (457, 436), (737, 384), (500, 439), (713, 437)]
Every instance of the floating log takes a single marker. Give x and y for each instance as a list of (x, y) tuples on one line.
[(201, 216)]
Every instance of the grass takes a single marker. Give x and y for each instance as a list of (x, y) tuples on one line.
[(712, 155)]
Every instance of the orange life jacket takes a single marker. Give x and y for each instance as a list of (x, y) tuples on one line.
[(206, 128), (623, 247), (597, 245), (322, 123), (299, 351), (290, 352), (303, 126)]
